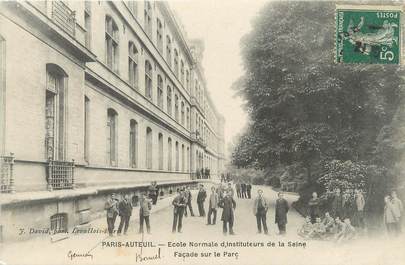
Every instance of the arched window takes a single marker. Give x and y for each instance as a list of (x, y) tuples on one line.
[(111, 43), (176, 63), (188, 159), (183, 158), (160, 151), (177, 156), (169, 51), (148, 18), (169, 101), (169, 154), (55, 112), (148, 79), (159, 35), (133, 135), (188, 118), (132, 64), (182, 72), (187, 80), (182, 113), (160, 92), (149, 148), (176, 107), (112, 137)]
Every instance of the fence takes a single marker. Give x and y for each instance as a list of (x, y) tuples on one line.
[(6, 174), (60, 175)]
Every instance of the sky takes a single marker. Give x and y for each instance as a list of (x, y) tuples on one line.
[(221, 24)]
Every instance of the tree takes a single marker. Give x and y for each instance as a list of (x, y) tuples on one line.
[(303, 107)]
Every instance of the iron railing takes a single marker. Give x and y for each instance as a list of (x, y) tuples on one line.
[(64, 17), (6, 174), (60, 175)]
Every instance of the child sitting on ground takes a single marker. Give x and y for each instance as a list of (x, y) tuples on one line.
[(306, 228)]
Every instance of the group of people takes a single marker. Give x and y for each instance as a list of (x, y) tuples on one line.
[(328, 228), (123, 208), (244, 190)]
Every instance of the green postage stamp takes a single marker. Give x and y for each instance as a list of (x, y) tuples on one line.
[(368, 34)]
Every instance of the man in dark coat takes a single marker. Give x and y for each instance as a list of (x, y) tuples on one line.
[(125, 212), (260, 207), (153, 192), (145, 205), (313, 206), (188, 200), (179, 204), (281, 213), (238, 192), (249, 190), (202, 194), (243, 190), (228, 206), (111, 206), (337, 204)]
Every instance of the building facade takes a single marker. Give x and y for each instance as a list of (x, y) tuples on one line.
[(97, 97)]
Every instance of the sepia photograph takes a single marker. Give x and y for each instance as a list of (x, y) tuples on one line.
[(181, 132)]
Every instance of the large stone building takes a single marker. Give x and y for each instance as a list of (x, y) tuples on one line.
[(97, 97)]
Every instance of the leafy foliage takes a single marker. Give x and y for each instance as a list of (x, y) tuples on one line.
[(305, 109)]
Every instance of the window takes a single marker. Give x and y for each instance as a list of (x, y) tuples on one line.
[(148, 148), (59, 223), (111, 43), (182, 113), (159, 35), (183, 158), (148, 79), (176, 63), (160, 151), (148, 18), (169, 154), (132, 5), (86, 128), (160, 92), (169, 51), (177, 156), (188, 159), (169, 101), (133, 134), (182, 72), (132, 64), (188, 118), (112, 137), (187, 80), (176, 108), (55, 113), (87, 24)]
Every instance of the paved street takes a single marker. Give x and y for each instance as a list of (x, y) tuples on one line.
[(102, 250)]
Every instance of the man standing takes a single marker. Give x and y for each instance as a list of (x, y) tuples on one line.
[(111, 206), (179, 204), (238, 193), (397, 209), (213, 204), (202, 194), (243, 188), (249, 190), (281, 213), (188, 200), (125, 212), (360, 203), (337, 204), (313, 206), (145, 205), (260, 208), (228, 206), (153, 192)]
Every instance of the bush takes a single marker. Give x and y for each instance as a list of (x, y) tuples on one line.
[(274, 182)]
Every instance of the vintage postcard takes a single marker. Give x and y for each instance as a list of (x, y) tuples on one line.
[(245, 132)]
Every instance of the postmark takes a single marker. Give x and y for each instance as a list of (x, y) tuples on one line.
[(368, 34)]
